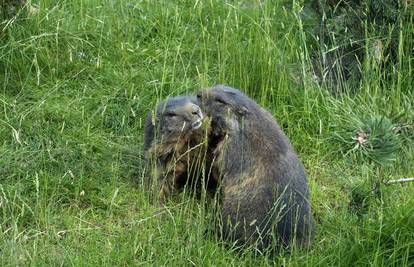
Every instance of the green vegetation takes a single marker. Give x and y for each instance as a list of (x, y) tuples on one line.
[(78, 78), (348, 33)]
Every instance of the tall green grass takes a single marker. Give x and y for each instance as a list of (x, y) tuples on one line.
[(77, 80)]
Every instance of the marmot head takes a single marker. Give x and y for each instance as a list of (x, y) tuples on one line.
[(225, 106), (173, 120)]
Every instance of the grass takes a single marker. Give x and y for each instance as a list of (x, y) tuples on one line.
[(77, 80)]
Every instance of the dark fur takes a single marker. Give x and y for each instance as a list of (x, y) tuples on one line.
[(264, 187), (177, 149)]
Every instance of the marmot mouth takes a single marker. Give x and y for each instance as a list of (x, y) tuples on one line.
[(197, 124)]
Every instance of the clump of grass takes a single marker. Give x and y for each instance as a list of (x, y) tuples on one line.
[(370, 138), (351, 40), (360, 197)]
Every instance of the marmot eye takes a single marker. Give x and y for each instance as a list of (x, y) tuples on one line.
[(220, 101), (198, 96), (170, 114)]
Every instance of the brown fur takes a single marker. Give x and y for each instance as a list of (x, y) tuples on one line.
[(264, 187), (177, 148)]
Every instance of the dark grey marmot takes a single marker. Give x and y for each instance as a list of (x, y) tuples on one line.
[(265, 195), (174, 141)]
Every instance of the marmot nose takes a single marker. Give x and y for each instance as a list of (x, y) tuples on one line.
[(196, 111)]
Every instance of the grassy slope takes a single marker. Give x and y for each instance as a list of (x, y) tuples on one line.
[(77, 79)]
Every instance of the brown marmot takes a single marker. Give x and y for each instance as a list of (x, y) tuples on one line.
[(265, 195), (174, 141)]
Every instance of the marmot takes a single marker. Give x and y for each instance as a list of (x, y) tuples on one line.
[(265, 195), (174, 141)]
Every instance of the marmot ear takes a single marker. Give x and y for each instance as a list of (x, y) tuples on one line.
[(241, 110)]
